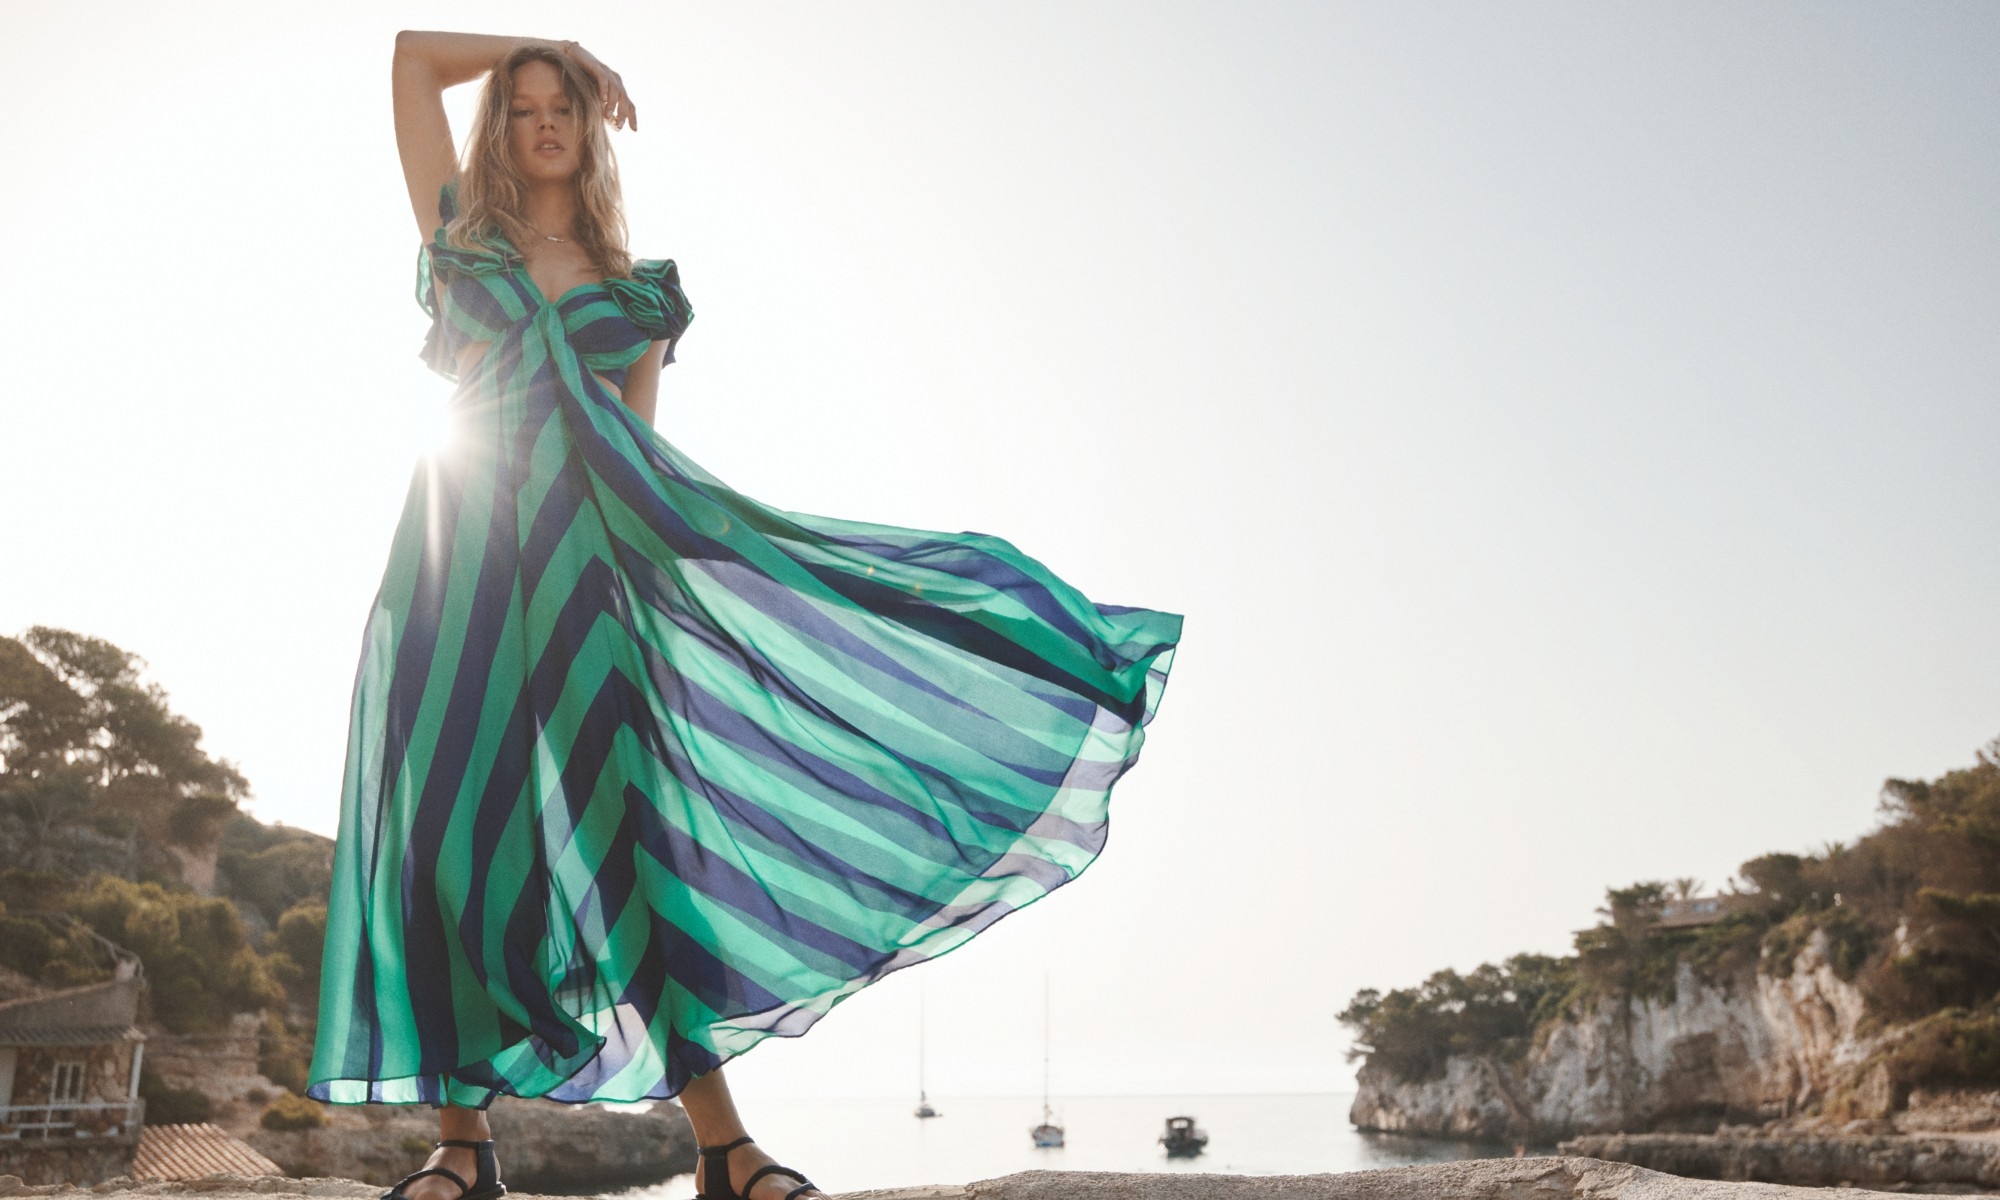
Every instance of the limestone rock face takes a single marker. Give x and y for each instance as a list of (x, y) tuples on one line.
[(1752, 1047), (221, 1066)]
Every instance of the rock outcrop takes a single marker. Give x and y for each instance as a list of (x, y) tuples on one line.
[(1956, 1162), (542, 1146), (221, 1066), (1751, 1047), (1487, 1179)]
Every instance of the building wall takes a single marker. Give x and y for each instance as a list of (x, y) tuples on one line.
[(107, 1071), (96, 1148)]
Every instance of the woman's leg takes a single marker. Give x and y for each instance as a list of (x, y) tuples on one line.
[(453, 1122), (712, 1112)]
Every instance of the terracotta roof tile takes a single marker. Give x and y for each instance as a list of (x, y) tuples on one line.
[(183, 1152)]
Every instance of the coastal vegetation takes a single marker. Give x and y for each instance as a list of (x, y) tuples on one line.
[(1909, 914), (115, 825)]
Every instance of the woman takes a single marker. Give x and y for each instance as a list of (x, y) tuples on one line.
[(640, 771)]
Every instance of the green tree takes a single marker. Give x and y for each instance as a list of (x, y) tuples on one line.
[(96, 771), (1413, 1032)]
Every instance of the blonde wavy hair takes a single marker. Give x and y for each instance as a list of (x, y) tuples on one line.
[(491, 191)]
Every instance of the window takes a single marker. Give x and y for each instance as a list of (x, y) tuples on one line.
[(67, 1083)]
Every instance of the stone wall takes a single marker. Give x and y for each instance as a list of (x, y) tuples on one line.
[(69, 1162)]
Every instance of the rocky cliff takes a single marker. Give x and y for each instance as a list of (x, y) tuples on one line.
[(1748, 1047)]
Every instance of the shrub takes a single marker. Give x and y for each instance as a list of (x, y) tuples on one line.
[(282, 1057), (198, 962), (1849, 942), (39, 941), (1850, 938), (301, 940), (1953, 1048), (289, 1112)]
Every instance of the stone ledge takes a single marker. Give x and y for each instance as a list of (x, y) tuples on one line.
[(209, 1185), (1963, 1162), (1478, 1179)]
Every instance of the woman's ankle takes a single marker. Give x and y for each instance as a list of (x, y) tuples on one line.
[(463, 1124)]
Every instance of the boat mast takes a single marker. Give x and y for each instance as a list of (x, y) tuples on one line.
[(1045, 1047), (924, 1109)]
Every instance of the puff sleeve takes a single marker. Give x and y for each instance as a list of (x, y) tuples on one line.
[(653, 300)]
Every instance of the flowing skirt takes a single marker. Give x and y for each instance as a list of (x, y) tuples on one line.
[(641, 772)]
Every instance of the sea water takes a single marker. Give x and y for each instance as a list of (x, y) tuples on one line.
[(850, 1145)]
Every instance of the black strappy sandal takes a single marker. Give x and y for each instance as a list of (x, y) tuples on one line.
[(717, 1158), (485, 1183)]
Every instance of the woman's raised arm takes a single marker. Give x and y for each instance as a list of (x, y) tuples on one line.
[(426, 64)]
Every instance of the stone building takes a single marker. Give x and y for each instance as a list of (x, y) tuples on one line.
[(69, 1081), (1693, 912)]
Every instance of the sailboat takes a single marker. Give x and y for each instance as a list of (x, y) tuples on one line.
[(924, 1109), (1048, 1134)]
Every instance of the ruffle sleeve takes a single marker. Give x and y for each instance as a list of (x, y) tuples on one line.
[(433, 258), (653, 300)]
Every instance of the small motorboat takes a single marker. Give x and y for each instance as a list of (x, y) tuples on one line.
[(1183, 1139)]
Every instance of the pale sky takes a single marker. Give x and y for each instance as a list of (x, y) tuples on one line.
[(1570, 430)]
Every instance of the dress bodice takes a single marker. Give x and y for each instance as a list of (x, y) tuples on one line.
[(487, 295)]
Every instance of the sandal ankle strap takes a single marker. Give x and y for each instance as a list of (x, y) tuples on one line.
[(469, 1145), (724, 1149)]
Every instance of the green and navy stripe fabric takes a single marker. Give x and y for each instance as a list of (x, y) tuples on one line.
[(641, 772)]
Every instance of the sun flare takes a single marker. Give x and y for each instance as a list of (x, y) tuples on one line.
[(429, 426)]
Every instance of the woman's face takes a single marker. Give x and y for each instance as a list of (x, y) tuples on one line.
[(542, 125)]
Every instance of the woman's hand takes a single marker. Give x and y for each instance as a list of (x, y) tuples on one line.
[(618, 107)]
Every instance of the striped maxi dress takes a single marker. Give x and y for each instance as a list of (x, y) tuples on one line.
[(640, 771)]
